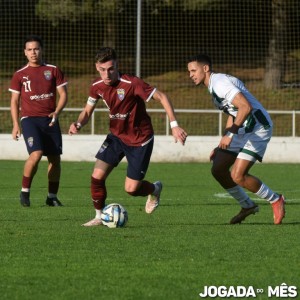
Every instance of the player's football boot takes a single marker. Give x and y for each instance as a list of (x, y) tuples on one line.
[(53, 202), (93, 222), (154, 199), (24, 199), (278, 210), (243, 214)]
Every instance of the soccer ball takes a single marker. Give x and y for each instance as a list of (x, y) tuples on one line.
[(114, 215)]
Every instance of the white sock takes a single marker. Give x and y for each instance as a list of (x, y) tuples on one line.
[(51, 195), (98, 213), (26, 190), (266, 193), (239, 194)]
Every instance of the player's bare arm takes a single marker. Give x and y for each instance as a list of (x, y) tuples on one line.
[(244, 109), (83, 119), (14, 110), (229, 123), (178, 133), (62, 102)]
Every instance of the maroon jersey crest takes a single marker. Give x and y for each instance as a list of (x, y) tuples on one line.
[(47, 74), (121, 94)]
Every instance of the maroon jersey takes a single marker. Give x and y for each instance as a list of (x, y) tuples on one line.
[(127, 109), (37, 87)]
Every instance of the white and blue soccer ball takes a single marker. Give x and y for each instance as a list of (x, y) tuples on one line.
[(114, 215)]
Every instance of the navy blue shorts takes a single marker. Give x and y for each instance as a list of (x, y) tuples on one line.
[(38, 135), (113, 151)]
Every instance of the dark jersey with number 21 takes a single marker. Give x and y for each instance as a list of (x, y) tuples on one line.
[(126, 102), (37, 88)]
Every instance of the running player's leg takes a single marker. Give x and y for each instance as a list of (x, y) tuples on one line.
[(98, 190), (222, 163), (255, 185), (254, 150), (135, 185), (138, 159), (108, 157)]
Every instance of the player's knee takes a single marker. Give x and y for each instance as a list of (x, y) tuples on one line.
[(54, 160), (132, 192), (133, 188), (35, 156), (216, 172), (238, 179)]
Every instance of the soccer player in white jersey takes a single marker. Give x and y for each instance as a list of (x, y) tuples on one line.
[(247, 134)]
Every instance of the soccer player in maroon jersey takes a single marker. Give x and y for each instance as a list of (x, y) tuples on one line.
[(33, 88), (131, 132)]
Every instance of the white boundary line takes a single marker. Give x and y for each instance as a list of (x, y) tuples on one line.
[(227, 196)]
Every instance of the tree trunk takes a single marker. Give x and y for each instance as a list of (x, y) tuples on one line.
[(109, 39), (275, 62)]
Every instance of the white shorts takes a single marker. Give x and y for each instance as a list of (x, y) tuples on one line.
[(251, 146)]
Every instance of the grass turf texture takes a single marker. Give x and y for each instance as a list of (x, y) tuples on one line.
[(185, 245)]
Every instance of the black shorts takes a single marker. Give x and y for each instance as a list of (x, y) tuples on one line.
[(113, 151), (38, 135)]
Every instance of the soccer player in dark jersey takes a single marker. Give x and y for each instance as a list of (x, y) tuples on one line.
[(131, 132), (33, 89)]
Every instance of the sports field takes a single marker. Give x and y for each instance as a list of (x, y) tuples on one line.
[(185, 245)]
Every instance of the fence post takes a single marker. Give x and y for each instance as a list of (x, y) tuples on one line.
[(138, 38)]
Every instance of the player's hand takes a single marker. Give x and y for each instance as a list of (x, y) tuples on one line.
[(16, 133), (54, 117), (74, 128), (225, 142), (179, 134)]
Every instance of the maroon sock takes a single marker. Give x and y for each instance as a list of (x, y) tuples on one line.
[(98, 192), (26, 182)]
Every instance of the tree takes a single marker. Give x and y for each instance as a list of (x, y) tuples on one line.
[(276, 59), (74, 10), (62, 10), (110, 13)]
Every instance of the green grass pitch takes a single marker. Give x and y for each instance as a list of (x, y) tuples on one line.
[(174, 253)]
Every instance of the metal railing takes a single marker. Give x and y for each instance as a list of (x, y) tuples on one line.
[(293, 114)]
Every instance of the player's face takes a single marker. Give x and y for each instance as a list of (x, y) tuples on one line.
[(197, 72), (33, 52), (108, 71)]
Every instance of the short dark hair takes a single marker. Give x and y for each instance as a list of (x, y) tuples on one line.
[(33, 38), (105, 54), (201, 58)]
